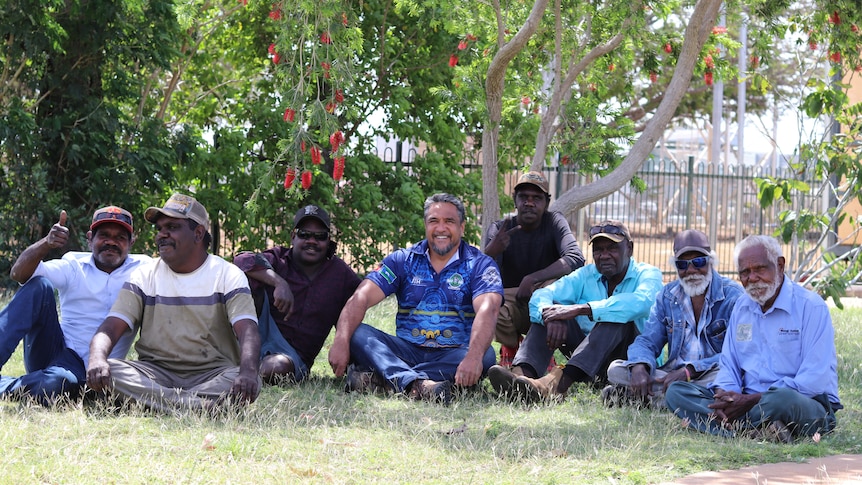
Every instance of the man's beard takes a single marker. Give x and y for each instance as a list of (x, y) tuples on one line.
[(762, 292), (444, 250), (694, 285)]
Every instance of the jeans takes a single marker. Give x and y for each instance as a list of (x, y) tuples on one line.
[(273, 342), (802, 414), (401, 362), (52, 368)]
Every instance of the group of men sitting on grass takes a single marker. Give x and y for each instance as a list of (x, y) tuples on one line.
[(756, 358)]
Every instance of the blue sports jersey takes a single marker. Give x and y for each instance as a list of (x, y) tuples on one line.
[(436, 310)]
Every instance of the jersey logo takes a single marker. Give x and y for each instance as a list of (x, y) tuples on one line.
[(387, 274)]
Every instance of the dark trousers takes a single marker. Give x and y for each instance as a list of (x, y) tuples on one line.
[(589, 355)]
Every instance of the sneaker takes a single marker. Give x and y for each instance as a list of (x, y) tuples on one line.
[(507, 354), (431, 391), (501, 379), (363, 381), (538, 390), (612, 395)]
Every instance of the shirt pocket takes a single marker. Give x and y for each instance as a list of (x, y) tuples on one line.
[(715, 333)]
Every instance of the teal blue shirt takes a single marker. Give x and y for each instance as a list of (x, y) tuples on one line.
[(631, 301)]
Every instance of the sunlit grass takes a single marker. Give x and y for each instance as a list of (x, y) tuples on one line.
[(316, 433)]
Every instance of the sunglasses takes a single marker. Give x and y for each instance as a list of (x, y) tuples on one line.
[(698, 262), (319, 236), (113, 216), (608, 230)]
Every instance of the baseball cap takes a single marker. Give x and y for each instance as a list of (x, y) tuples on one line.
[(311, 211), (535, 179), (181, 207), (114, 214), (616, 231), (690, 240)]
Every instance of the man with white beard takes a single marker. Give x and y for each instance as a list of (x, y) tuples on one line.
[(690, 315), (777, 375)]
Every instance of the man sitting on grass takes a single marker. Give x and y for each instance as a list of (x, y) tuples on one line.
[(199, 344), (448, 293), (55, 349), (690, 316), (777, 375)]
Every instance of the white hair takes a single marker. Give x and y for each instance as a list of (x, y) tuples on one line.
[(769, 243)]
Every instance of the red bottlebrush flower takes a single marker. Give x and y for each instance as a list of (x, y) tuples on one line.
[(306, 179), (338, 168), (611, 67), (330, 107), (302, 146), (325, 38), (453, 60), (315, 155), (325, 66), (471, 38), (536, 110), (336, 139), (339, 96), (835, 57), (344, 19), (854, 28), (275, 14), (271, 49), (486, 52), (289, 115), (653, 77), (243, 2), (755, 61), (719, 29), (812, 45), (835, 18), (707, 78), (566, 160), (276, 58), (591, 86), (289, 177), (709, 62), (462, 45), (668, 48), (525, 100)]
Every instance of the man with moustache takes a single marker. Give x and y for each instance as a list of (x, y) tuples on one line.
[(532, 249), (299, 292), (56, 349), (448, 294), (690, 316), (199, 346), (592, 315), (777, 376)]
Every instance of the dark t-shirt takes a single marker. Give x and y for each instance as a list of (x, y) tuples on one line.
[(532, 251), (316, 303)]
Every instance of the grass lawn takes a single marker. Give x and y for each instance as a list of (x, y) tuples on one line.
[(316, 433)]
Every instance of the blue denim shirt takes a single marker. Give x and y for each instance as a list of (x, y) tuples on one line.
[(668, 319)]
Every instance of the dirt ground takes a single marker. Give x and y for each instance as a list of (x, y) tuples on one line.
[(834, 470)]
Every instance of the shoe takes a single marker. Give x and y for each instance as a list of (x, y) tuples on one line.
[(363, 381), (778, 432), (431, 391), (501, 379), (612, 395), (507, 354), (538, 390)]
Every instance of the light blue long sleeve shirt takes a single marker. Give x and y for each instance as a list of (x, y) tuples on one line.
[(631, 301), (792, 345)]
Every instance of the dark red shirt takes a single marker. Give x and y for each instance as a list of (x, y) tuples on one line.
[(316, 303)]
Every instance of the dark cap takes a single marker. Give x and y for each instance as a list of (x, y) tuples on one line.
[(616, 231), (535, 179), (114, 214), (311, 211), (180, 206), (691, 240)]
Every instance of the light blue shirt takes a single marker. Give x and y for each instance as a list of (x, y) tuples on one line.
[(631, 301), (86, 295), (792, 345)]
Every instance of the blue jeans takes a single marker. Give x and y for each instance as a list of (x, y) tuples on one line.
[(52, 368), (273, 342), (802, 414), (401, 362)]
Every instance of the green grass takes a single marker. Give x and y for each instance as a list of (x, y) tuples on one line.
[(315, 433)]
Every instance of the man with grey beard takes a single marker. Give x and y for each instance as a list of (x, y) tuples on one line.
[(690, 315), (778, 374)]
